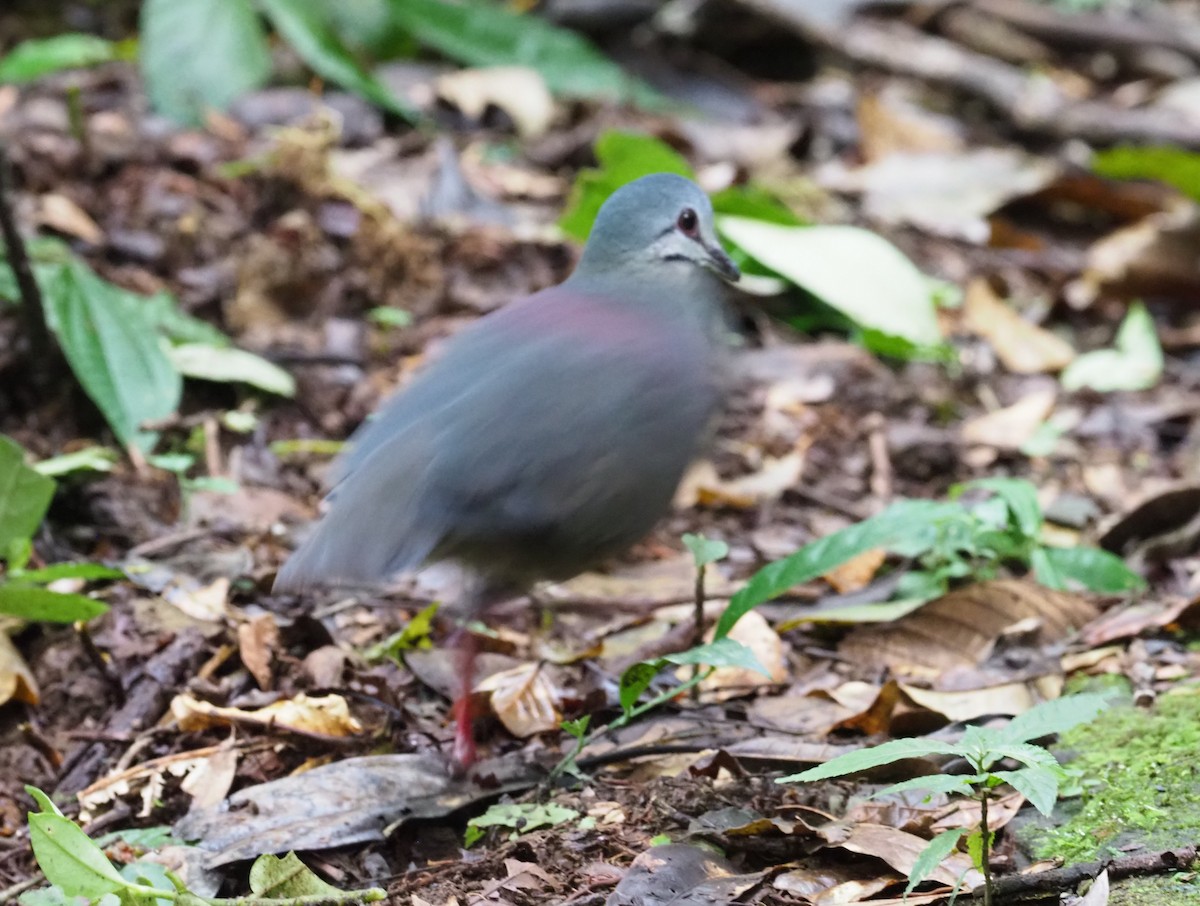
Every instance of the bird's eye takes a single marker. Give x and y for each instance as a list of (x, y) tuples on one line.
[(688, 223)]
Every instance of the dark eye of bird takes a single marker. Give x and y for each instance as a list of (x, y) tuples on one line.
[(688, 223)]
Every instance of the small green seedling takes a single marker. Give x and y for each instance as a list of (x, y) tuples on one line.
[(1038, 778), (520, 817)]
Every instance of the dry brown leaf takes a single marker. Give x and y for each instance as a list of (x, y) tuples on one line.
[(519, 91), (209, 780), (1021, 346), (59, 213), (890, 123), (702, 486), (327, 715), (1133, 620), (668, 580), (1009, 698), (833, 885), (525, 699), (753, 631), (1013, 426), (963, 812), (16, 679), (258, 641), (208, 603), (961, 628), (857, 572), (900, 850)]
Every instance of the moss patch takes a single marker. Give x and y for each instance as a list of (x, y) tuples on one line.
[(1157, 890), (1140, 780)]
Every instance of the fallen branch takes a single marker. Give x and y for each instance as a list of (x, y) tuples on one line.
[(32, 309), (1069, 876)]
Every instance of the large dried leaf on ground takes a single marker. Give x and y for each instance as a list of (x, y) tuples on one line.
[(16, 679), (1022, 346), (1012, 427), (326, 716), (525, 698), (961, 628), (677, 873), (767, 648), (901, 850), (968, 704)]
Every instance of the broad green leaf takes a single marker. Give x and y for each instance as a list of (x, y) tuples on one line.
[(1055, 716), (44, 802), (163, 313), (1037, 784), (855, 614), (524, 816), (1174, 166), (1024, 752), (705, 550), (69, 859), (873, 757), (932, 855), (89, 459), (201, 54), (853, 270), (623, 157), (304, 27), (754, 202), (723, 652), (231, 365), (1019, 496), (44, 606), (634, 681), (24, 496), (113, 351), (975, 847), (933, 783), (31, 60), (491, 34), (283, 878), (896, 523), (1134, 363), (1044, 569), (1093, 568)]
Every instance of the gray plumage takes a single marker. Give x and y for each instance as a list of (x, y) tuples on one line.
[(552, 433)]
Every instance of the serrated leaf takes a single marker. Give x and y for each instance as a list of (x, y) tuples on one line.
[(724, 652), (490, 34), (932, 855), (853, 270), (895, 524), (24, 496), (200, 54), (873, 757), (69, 859), (1134, 363), (1052, 717), (229, 364), (304, 27), (1024, 752), (113, 351), (1037, 784), (41, 605), (33, 59), (1093, 568), (933, 783)]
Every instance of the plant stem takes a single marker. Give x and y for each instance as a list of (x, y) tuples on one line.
[(985, 849), (698, 629), (32, 307)]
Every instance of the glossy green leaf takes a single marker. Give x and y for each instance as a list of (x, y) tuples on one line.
[(113, 351), (1093, 568), (853, 270), (201, 54), (932, 855), (24, 496), (491, 34), (304, 27), (893, 525), (33, 59), (44, 606), (1134, 363), (69, 859), (228, 364), (873, 757)]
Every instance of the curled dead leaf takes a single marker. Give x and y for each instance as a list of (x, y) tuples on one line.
[(327, 715), (16, 679), (525, 699)]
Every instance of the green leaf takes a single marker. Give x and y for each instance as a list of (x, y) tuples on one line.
[(932, 855), (1037, 784), (1135, 362), (490, 34), (724, 652), (229, 364), (31, 60), (1095, 569), (89, 459), (24, 496), (1174, 166), (275, 878), (933, 783), (69, 859), (113, 351), (44, 802), (66, 571), (873, 757), (44, 606), (1024, 752), (200, 54), (1019, 496), (623, 157), (524, 816), (975, 847), (300, 22), (1055, 716), (705, 550), (853, 270), (756, 203), (896, 523), (634, 681), (162, 311)]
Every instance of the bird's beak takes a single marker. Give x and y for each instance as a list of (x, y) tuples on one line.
[(722, 263)]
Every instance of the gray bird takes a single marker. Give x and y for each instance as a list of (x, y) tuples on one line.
[(549, 434)]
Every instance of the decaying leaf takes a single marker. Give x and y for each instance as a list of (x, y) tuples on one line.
[(258, 642), (517, 90), (1022, 346), (664, 874), (327, 715), (857, 572), (525, 699), (60, 213), (16, 679), (968, 704), (900, 850), (755, 633), (702, 486), (1012, 427)]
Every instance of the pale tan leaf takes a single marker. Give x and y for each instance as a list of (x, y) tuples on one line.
[(258, 641), (327, 715), (857, 572), (1022, 346), (1013, 426), (59, 213), (16, 679), (525, 699)]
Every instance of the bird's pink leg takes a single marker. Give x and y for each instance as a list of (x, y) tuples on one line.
[(464, 734)]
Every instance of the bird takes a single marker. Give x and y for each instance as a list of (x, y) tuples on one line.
[(548, 435)]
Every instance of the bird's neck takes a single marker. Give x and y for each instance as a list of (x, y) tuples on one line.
[(680, 292)]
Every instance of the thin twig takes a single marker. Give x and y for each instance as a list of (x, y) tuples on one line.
[(32, 308)]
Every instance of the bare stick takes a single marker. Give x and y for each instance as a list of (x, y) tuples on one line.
[(32, 309)]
